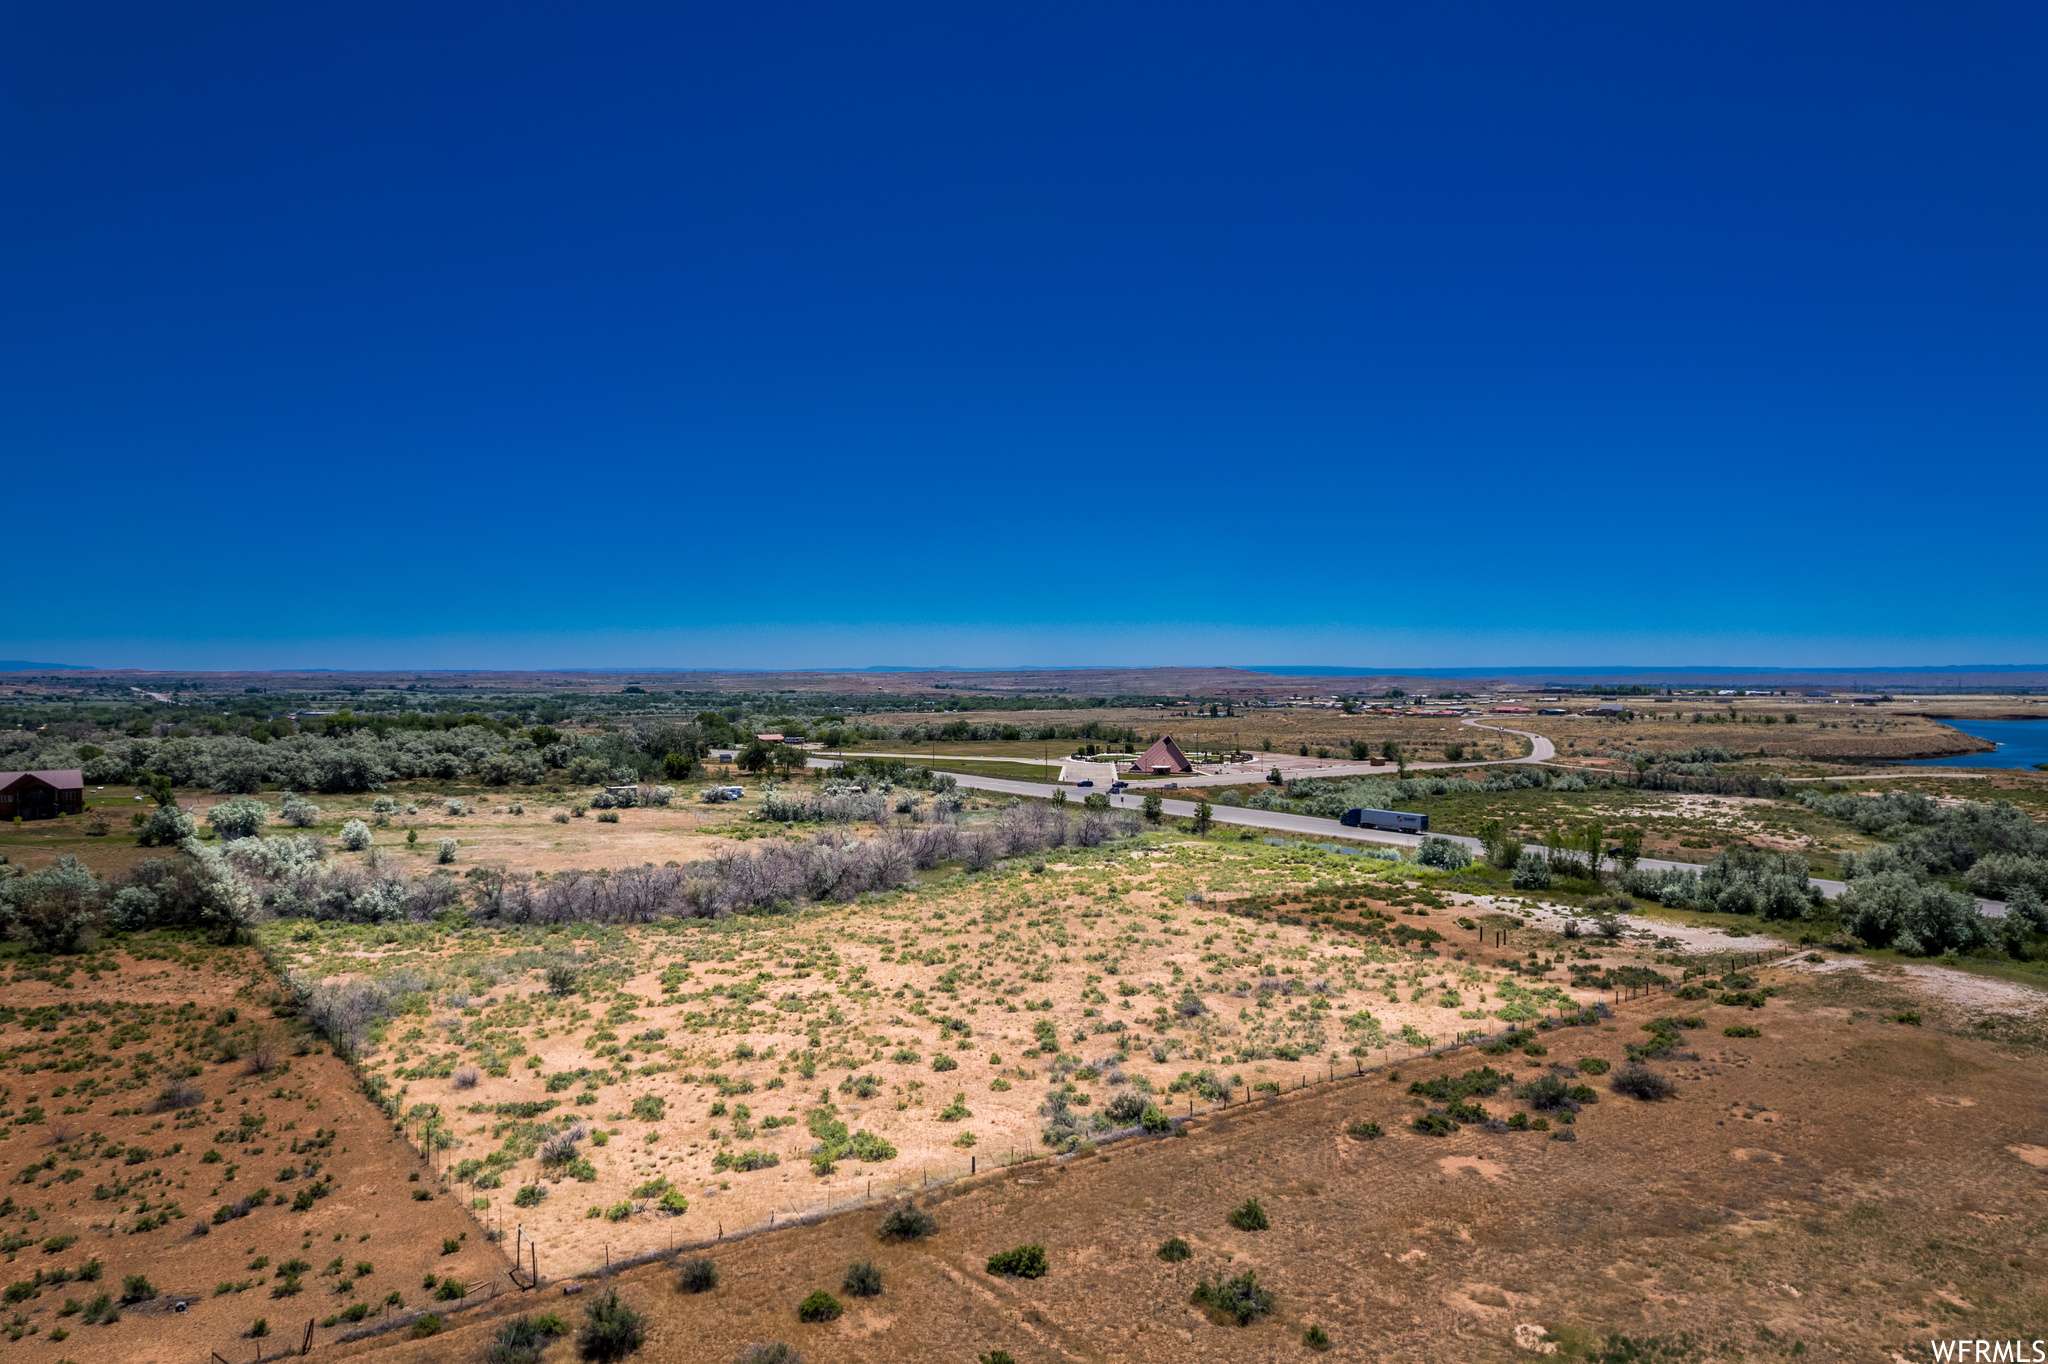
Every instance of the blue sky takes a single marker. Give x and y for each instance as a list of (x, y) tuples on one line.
[(814, 336)]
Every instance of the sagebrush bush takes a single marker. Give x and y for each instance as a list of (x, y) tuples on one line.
[(611, 1330), (819, 1306), (1442, 853), (773, 1352), (1239, 1298), (1532, 871), (523, 1340), (1638, 1081), (355, 835), (697, 1276), (863, 1280), (1249, 1216), (907, 1222), (1020, 1262), (238, 818)]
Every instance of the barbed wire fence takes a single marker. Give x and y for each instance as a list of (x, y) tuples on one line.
[(526, 1270)]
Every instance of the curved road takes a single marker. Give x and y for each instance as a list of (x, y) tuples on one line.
[(1283, 822), (1541, 750)]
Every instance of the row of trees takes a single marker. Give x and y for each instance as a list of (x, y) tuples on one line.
[(225, 888), (366, 761)]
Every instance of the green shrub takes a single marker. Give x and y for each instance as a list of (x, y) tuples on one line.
[(1638, 1081), (1238, 1298), (697, 1276), (1364, 1131), (1020, 1262), (1741, 1030), (429, 1325), (1316, 1338), (1532, 870), (1249, 1216), (524, 1339), (1174, 1250), (1592, 1065), (819, 1306), (611, 1330), (1483, 1081), (136, 1288), (907, 1222), (862, 1280), (774, 1352)]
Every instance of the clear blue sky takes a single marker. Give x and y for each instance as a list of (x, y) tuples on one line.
[(842, 335)]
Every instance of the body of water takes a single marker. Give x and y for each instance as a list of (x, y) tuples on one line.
[(2021, 743)]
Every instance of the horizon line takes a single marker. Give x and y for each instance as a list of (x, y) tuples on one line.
[(1265, 669)]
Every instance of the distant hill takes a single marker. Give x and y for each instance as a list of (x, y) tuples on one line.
[(17, 665)]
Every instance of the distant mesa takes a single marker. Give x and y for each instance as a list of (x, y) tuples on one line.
[(20, 665)]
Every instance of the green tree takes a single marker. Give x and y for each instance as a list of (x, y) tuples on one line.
[(1153, 807), (58, 909), (1204, 816)]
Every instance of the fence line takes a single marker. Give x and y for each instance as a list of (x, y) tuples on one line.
[(923, 1181)]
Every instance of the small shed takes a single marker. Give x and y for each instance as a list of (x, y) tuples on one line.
[(1163, 758), (42, 795)]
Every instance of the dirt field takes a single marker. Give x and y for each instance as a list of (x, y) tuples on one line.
[(1840, 1186), (488, 833), (931, 1024), (1282, 729), (1816, 731), (158, 1119)]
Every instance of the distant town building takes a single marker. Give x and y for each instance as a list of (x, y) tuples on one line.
[(1164, 757), (42, 795)]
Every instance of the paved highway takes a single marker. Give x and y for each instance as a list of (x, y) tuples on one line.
[(1541, 750), (1282, 822)]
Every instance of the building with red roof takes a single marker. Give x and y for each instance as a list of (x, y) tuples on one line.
[(1163, 758), (41, 795)]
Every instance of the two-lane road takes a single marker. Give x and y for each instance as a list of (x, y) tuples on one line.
[(1309, 826)]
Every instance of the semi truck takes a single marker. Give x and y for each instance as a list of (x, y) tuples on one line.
[(1393, 821)]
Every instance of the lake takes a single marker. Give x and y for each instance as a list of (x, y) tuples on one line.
[(2021, 743)]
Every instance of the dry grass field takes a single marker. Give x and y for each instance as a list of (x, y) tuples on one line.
[(180, 1163), (1785, 729), (1283, 729), (1122, 1043), (512, 829), (722, 1073), (1825, 1182)]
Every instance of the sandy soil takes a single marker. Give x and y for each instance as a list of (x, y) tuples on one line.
[(690, 1042), (88, 1153), (1802, 1193)]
